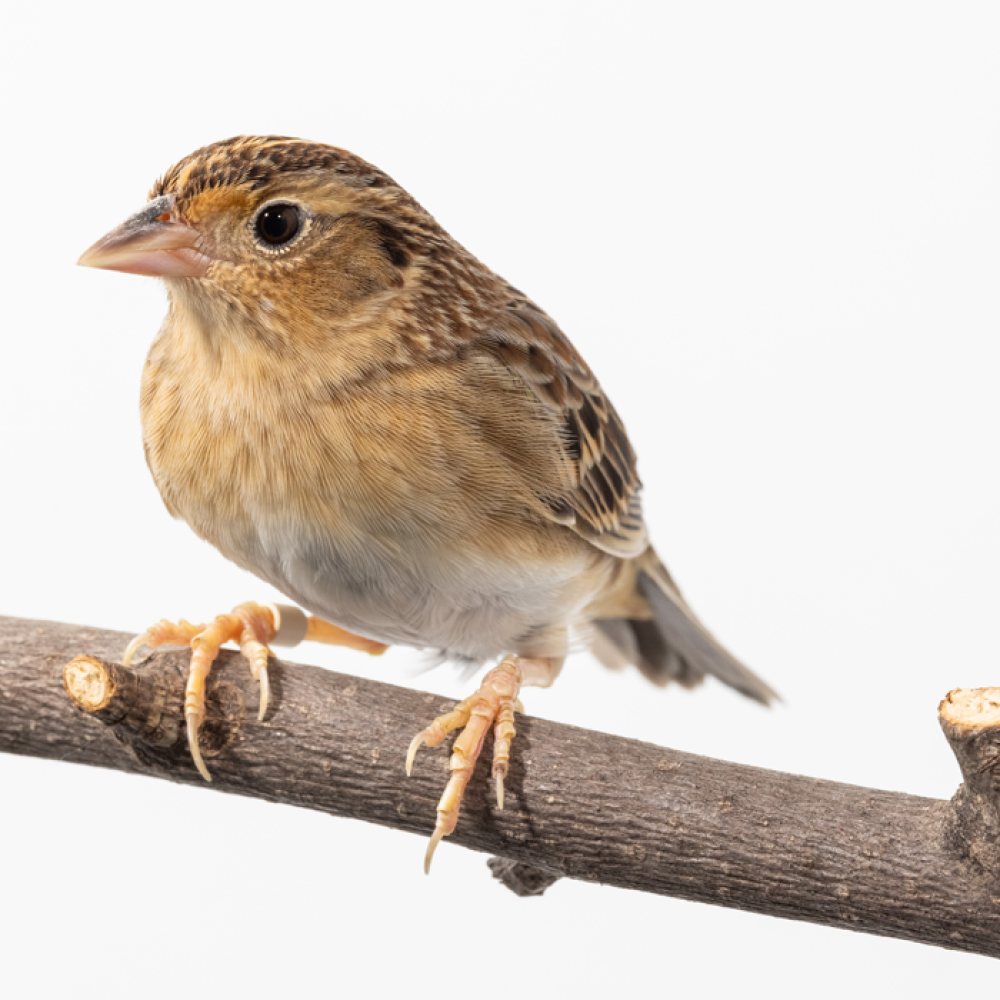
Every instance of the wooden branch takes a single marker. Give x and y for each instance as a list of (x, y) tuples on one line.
[(971, 722), (578, 804)]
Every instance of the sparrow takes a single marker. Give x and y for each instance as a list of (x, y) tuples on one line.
[(345, 402)]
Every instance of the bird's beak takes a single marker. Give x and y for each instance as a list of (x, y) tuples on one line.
[(151, 242)]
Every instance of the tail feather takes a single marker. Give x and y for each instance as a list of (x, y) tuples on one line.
[(672, 645)]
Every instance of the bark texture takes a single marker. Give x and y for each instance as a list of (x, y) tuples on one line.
[(579, 804), (971, 723)]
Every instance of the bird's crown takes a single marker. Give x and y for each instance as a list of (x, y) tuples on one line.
[(255, 161)]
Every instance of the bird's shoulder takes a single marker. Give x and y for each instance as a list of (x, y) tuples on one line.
[(598, 490)]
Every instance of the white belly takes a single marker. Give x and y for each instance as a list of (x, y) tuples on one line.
[(471, 606)]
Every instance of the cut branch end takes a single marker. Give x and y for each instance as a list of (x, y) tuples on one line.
[(88, 683), (970, 720), (971, 708)]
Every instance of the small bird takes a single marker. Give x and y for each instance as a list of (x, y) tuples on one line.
[(347, 403)]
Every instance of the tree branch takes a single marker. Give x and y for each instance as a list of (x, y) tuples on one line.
[(578, 804)]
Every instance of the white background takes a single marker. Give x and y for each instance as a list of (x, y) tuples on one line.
[(772, 229)]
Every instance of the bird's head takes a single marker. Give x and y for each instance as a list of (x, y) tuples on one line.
[(268, 219)]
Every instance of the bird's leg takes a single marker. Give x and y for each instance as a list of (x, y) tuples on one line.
[(252, 626), (493, 705)]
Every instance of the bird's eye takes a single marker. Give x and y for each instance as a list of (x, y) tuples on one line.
[(277, 224)]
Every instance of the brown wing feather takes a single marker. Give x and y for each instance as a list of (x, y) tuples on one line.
[(601, 500)]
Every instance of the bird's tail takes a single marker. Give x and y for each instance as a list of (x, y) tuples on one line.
[(667, 642)]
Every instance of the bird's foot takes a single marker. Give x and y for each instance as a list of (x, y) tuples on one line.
[(250, 625), (492, 705)]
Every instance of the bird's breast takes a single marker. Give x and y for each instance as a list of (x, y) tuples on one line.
[(382, 510)]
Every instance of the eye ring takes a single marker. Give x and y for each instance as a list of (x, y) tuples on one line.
[(278, 223)]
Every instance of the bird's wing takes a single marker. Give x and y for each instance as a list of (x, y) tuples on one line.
[(597, 490)]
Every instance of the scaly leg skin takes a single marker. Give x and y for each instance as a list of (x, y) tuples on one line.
[(252, 626), (493, 705)]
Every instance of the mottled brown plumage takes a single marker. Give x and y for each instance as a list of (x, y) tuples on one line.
[(366, 416)]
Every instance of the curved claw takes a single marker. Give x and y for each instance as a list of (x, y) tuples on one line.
[(193, 725), (499, 778), (265, 690), (133, 647), (434, 841), (415, 744)]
